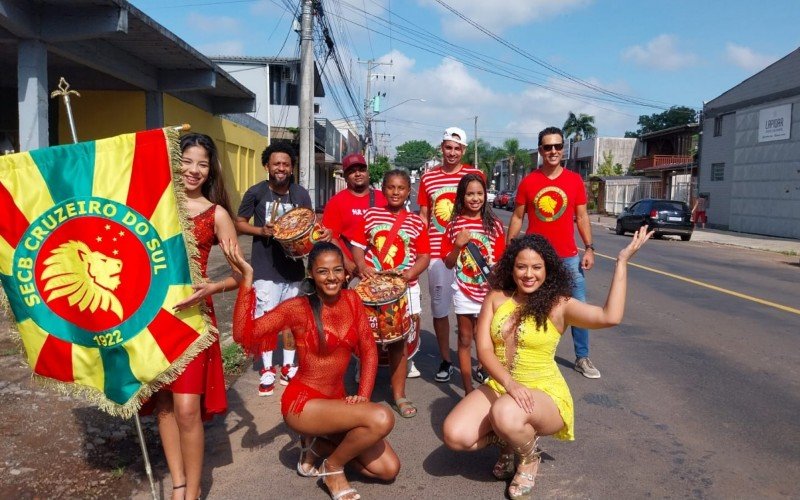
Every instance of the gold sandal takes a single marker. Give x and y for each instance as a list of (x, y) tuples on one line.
[(528, 454), (504, 467)]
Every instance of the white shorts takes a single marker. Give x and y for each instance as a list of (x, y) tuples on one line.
[(414, 304), (269, 294), (463, 304), (440, 285)]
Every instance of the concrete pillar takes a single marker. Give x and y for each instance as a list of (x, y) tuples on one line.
[(32, 94), (154, 110)]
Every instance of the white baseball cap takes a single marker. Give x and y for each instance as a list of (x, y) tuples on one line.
[(455, 134)]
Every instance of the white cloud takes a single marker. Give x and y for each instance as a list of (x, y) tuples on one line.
[(746, 58), (499, 16), (212, 23), (662, 52), (223, 48)]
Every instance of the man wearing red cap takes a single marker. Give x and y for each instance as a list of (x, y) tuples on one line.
[(344, 210)]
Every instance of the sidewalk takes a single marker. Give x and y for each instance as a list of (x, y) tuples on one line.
[(720, 237)]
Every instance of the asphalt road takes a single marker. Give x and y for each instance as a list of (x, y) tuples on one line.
[(699, 396)]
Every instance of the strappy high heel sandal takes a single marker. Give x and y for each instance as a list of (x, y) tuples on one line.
[(528, 454), (323, 471), (504, 467), (312, 472)]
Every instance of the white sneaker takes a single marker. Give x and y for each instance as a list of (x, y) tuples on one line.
[(412, 370)]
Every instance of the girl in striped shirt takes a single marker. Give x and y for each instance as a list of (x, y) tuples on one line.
[(474, 234)]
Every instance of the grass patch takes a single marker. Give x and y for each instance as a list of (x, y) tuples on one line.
[(790, 253), (233, 359), (118, 472)]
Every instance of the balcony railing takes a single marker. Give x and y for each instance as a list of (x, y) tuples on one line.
[(661, 162)]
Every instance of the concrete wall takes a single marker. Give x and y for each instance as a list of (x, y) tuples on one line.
[(101, 114), (717, 150), (592, 150)]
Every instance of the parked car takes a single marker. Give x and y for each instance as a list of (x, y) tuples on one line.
[(490, 195), (501, 200), (511, 201), (662, 216)]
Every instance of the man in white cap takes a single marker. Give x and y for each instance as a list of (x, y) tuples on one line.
[(437, 194)]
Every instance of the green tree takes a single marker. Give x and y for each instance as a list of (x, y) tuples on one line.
[(378, 169), (607, 167), (581, 126), (517, 158), (411, 155), (673, 117)]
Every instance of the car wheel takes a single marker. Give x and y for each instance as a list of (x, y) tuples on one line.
[(619, 230), (686, 237)]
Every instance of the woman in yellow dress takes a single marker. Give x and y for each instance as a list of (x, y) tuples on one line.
[(519, 326)]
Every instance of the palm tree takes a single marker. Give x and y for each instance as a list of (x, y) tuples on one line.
[(581, 126), (515, 155)]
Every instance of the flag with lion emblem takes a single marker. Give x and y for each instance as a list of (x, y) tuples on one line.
[(94, 253)]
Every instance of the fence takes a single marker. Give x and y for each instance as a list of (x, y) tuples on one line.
[(612, 195)]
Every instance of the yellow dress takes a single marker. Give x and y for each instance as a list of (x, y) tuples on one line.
[(534, 363)]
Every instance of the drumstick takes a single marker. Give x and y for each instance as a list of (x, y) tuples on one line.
[(274, 212)]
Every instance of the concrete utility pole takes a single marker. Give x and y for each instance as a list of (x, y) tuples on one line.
[(368, 113), (306, 119)]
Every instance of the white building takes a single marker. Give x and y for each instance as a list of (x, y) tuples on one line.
[(750, 153)]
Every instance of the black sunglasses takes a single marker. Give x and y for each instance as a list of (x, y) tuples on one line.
[(550, 147)]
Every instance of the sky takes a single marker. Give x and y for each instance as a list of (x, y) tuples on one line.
[(518, 65)]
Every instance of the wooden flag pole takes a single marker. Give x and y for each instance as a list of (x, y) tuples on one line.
[(64, 92)]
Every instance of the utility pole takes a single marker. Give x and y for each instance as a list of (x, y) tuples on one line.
[(306, 118), (476, 143), (368, 113)]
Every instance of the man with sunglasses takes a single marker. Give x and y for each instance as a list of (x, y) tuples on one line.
[(553, 197)]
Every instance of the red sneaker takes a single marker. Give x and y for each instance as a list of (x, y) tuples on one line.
[(267, 385)]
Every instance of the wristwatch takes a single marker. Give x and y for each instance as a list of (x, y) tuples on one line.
[(590, 246)]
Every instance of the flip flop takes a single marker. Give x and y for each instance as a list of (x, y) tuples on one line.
[(405, 408)]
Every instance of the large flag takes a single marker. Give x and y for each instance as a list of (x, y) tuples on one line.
[(94, 253)]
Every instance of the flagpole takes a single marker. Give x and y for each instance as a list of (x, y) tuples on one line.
[(64, 92)]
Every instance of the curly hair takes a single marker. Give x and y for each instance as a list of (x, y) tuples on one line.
[(557, 283), (488, 218)]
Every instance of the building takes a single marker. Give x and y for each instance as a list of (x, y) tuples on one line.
[(507, 177), (750, 153), (670, 155), (589, 154), (132, 74)]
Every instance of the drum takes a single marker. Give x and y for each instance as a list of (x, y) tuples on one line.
[(297, 230), (386, 299), (412, 347)]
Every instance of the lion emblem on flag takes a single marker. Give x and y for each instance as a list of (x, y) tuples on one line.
[(87, 278)]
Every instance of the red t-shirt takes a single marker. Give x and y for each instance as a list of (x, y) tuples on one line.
[(468, 276), (344, 212), (411, 240), (437, 191), (550, 205)]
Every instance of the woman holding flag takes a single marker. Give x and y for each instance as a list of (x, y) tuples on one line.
[(199, 391)]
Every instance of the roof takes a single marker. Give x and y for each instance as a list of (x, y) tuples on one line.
[(112, 45), (690, 127)]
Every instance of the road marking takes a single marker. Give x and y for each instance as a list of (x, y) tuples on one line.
[(710, 286)]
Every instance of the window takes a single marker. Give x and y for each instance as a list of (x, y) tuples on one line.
[(718, 126), (717, 171)]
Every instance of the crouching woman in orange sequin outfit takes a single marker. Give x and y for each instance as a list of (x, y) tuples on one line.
[(350, 429)]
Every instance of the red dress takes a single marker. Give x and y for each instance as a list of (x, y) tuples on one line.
[(204, 374), (321, 369)]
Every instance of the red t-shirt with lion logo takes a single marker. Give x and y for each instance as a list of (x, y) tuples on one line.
[(437, 191), (550, 205)]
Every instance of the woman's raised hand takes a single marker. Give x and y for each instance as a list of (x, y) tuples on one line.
[(235, 258), (639, 238)]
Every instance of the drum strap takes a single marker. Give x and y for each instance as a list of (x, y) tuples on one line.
[(401, 216)]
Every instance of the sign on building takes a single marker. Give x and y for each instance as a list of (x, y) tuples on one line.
[(775, 124)]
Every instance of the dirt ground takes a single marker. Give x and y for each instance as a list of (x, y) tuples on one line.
[(58, 446)]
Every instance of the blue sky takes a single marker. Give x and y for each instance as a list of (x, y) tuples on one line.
[(658, 53)]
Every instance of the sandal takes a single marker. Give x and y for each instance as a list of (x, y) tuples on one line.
[(528, 455), (405, 408), (312, 472), (504, 467), (339, 494)]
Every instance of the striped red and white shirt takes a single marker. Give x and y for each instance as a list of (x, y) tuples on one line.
[(468, 277), (437, 191), (411, 240)]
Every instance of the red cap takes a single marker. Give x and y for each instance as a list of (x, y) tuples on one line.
[(353, 160)]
